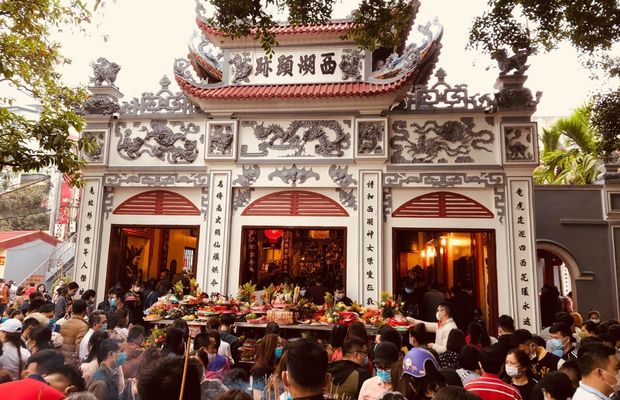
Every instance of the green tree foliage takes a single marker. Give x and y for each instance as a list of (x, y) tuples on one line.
[(590, 25), (25, 208), (377, 23), (568, 154), (606, 121), (28, 62)]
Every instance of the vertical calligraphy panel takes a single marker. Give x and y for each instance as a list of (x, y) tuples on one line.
[(371, 234), (523, 250), (218, 230), (88, 242)]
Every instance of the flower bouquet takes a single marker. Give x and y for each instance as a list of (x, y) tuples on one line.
[(156, 338), (389, 306), (246, 292)]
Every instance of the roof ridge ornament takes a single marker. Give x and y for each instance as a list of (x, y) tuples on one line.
[(442, 95), (162, 102)]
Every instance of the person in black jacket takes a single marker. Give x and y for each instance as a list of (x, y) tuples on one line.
[(349, 374)]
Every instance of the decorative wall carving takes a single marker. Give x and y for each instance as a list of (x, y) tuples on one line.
[(162, 179), (161, 141), (108, 201), (341, 176), (433, 142), (242, 197), (371, 137), (204, 200), (248, 176), (100, 104), (387, 202), (495, 180), (351, 64), (517, 98), (293, 175), (518, 141), (98, 151), (330, 138), (241, 67), (220, 139), (164, 101), (442, 95), (104, 71), (347, 197)]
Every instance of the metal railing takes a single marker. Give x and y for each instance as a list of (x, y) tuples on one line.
[(55, 261)]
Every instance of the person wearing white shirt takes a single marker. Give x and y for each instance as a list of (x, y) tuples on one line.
[(600, 372), (442, 327), (14, 356), (224, 350), (97, 321)]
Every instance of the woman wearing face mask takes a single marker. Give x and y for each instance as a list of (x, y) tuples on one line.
[(40, 338), (420, 378), (386, 354), (264, 365), (517, 367)]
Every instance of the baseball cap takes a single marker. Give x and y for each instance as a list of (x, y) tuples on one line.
[(386, 353), (12, 325)]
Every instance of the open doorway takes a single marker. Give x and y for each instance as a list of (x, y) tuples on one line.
[(445, 262), (142, 252), (274, 255)]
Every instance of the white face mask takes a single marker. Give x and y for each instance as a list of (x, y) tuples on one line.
[(533, 354), (438, 315), (339, 296), (615, 386), (512, 371)]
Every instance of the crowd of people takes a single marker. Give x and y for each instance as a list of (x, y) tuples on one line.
[(62, 345)]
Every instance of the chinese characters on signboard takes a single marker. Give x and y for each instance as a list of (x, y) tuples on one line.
[(88, 233), (297, 66), (371, 226), (523, 260), (217, 229)]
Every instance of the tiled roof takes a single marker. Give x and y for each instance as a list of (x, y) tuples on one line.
[(17, 238), (337, 27), (347, 89)]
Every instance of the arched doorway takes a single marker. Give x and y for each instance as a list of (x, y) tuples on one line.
[(557, 266)]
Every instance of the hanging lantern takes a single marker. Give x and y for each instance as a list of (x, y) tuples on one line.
[(273, 234)]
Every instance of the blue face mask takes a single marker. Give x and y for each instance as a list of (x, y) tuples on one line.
[(408, 290), (384, 375), (120, 359), (112, 302), (51, 324), (288, 396), (557, 347), (278, 352)]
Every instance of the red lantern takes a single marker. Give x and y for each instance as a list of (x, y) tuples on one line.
[(273, 234)]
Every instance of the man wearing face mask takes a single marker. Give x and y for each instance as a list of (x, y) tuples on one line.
[(97, 321), (599, 370), (349, 374), (386, 354), (408, 296), (561, 344), (340, 296), (442, 327), (541, 361), (104, 383)]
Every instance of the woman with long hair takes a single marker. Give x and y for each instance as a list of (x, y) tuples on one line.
[(90, 364), (174, 342), (336, 339), (450, 357), (264, 365), (40, 338), (43, 290), (14, 356), (420, 377), (477, 336), (275, 386)]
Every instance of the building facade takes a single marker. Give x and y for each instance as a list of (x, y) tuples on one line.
[(322, 162)]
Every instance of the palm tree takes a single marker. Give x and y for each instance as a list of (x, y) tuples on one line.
[(568, 155)]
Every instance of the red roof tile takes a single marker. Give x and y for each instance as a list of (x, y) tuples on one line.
[(17, 238), (337, 27), (347, 89)]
